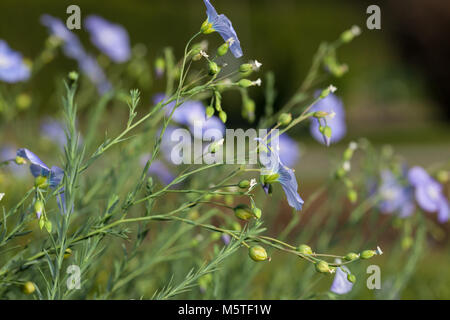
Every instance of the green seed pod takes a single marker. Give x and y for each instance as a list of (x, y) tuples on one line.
[(38, 208), (351, 278), (209, 112), (351, 256), (41, 182), (285, 119), (244, 184), (67, 253), (257, 213), (223, 49), (305, 249), (367, 254), (28, 287), (322, 267), (352, 196), (327, 132), (206, 27), (223, 116), (320, 114), (213, 68), (245, 83), (348, 154), (340, 173), (243, 212), (257, 253), (246, 67)]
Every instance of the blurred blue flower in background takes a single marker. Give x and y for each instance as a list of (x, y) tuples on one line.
[(159, 169), (224, 27), (395, 197), (336, 120), (340, 284), (288, 150), (53, 130), (73, 48), (428, 193), (12, 67), (112, 39)]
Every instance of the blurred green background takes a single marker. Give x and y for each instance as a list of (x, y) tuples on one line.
[(396, 91)]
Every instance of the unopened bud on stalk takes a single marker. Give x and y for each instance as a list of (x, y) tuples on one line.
[(323, 267), (351, 256), (327, 91), (367, 254), (257, 212), (350, 34), (243, 212), (223, 116), (244, 184), (352, 196), (304, 249), (209, 112), (285, 119), (257, 253), (38, 208), (245, 83), (28, 287), (223, 49), (67, 253), (351, 278), (213, 68)]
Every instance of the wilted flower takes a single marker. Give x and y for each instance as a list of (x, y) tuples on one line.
[(223, 26), (112, 39), (12, 67), (341, 285), (428, 193), (395, 197), (332, 105), (275, 170)]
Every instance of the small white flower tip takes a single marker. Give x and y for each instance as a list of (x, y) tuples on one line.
[(346, 166), (257, 65), (353, 145), (356, 31), (332, 88), (253, 183), (220, 142), (332, 115), (257, 83), (1, 196), (230, 41), (204, 54), (379, 252)]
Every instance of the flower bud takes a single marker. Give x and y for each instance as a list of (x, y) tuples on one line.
[(327, 91), (351, 256), (216, 145), (38, 208), (246, 67), (367, 254), (304, 249), (28, 287), (349, 35), (160, 66), (209, 112), (257, 253), (243, 212), (351, 278), (245, 83), (244, 184), (223, 49), (23, 101), (257, 212), (322, 267), (67, 253), (285, 119), (352, 196), (223, 116), (320, 114), (213, 68)]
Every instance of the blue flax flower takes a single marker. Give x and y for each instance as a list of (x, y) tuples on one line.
[(275, 170), (395, 197), (288, 150), (53, 130), (112, 39), (336, 120), (223, 26), (38, 168), (7, 155), (340, 284), (429, 194), (159, 169), (12, 67)]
